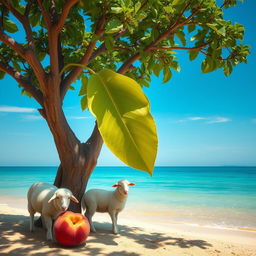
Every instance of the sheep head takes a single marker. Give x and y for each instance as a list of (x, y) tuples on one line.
[(61, 199), (123, 186)]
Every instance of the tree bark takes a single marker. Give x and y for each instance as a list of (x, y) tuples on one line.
[(77, 160)]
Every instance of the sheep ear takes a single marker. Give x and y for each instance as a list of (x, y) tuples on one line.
[(74, 199), (131, 184), (115, 185), (52, 198)]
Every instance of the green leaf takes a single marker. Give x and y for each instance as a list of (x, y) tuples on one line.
[(10, 26), (193, 55), (168, 9), (116, 10), (137, 7), (114, 26), (141, 15), (157, 68), (191, 28), (16, 66), (208, 65), (144, 83), (125, 123), (2, 74), (175, 65), (41, 56), (109, 43), (214, 44), (167, 74), (83, 89), (205, 67), (220, 31), (35, 19), (72, 88), (125, 3), (84, 103), (227, 68), (181, 36), (23, 92), (177, 2)]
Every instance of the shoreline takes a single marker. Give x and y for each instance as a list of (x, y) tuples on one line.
[(137, 238)]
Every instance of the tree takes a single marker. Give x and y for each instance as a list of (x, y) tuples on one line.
[(69, 40)]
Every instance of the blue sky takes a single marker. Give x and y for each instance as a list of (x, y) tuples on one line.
[(202, 119)]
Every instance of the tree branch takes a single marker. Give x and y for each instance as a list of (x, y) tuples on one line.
[(231, 57), (126, 65), (27, 10), (36, 93), (196, 48), (60, 56), (55, 52), (102, 48), (9, 41), (46, 15), (27, 54), (2, 19), (71, 77), (65, 12), (23, 20), (225, 2), (53, 44)]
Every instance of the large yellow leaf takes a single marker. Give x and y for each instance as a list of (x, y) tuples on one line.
[(125, 123)]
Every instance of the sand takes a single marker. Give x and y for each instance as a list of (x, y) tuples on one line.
[(137, 237)]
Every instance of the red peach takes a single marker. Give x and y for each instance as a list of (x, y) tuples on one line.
[(71, 229)]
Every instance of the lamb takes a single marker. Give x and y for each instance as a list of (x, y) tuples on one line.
[(49, 201), (99, 200)]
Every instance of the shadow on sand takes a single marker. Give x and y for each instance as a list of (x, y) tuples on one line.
[(15, 239)]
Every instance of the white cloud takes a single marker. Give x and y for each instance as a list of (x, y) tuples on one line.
[(79, 117), (196, 118), (209, 119), (219, 119), (33, 117), (14, 109), (192, 118)]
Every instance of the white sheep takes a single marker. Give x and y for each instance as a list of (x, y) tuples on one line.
[(99, 200), (49, 201)]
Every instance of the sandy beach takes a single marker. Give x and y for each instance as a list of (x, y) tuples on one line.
[(137, 237)]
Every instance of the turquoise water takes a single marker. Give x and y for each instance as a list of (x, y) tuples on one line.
[(220, 196)]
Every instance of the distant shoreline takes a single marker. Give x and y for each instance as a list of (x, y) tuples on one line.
[(157, 166)]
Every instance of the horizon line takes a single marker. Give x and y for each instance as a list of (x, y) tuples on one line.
[(133, 168)]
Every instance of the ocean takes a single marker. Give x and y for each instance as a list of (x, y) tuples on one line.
[(208, 196)]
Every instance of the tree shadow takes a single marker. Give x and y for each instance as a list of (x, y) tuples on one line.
[(152, 240), (16, 239)]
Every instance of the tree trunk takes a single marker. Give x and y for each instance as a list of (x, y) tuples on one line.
[(77, 160), (76, 177)]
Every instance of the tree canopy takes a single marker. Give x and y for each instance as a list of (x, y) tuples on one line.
[(131, 37)]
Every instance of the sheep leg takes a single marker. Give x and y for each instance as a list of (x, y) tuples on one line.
[(32, 213), (31, 222), (48, 225), (89, 215), (113, 216)]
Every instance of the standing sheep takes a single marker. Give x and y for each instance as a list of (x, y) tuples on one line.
[(99, 200), (49, 201)]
